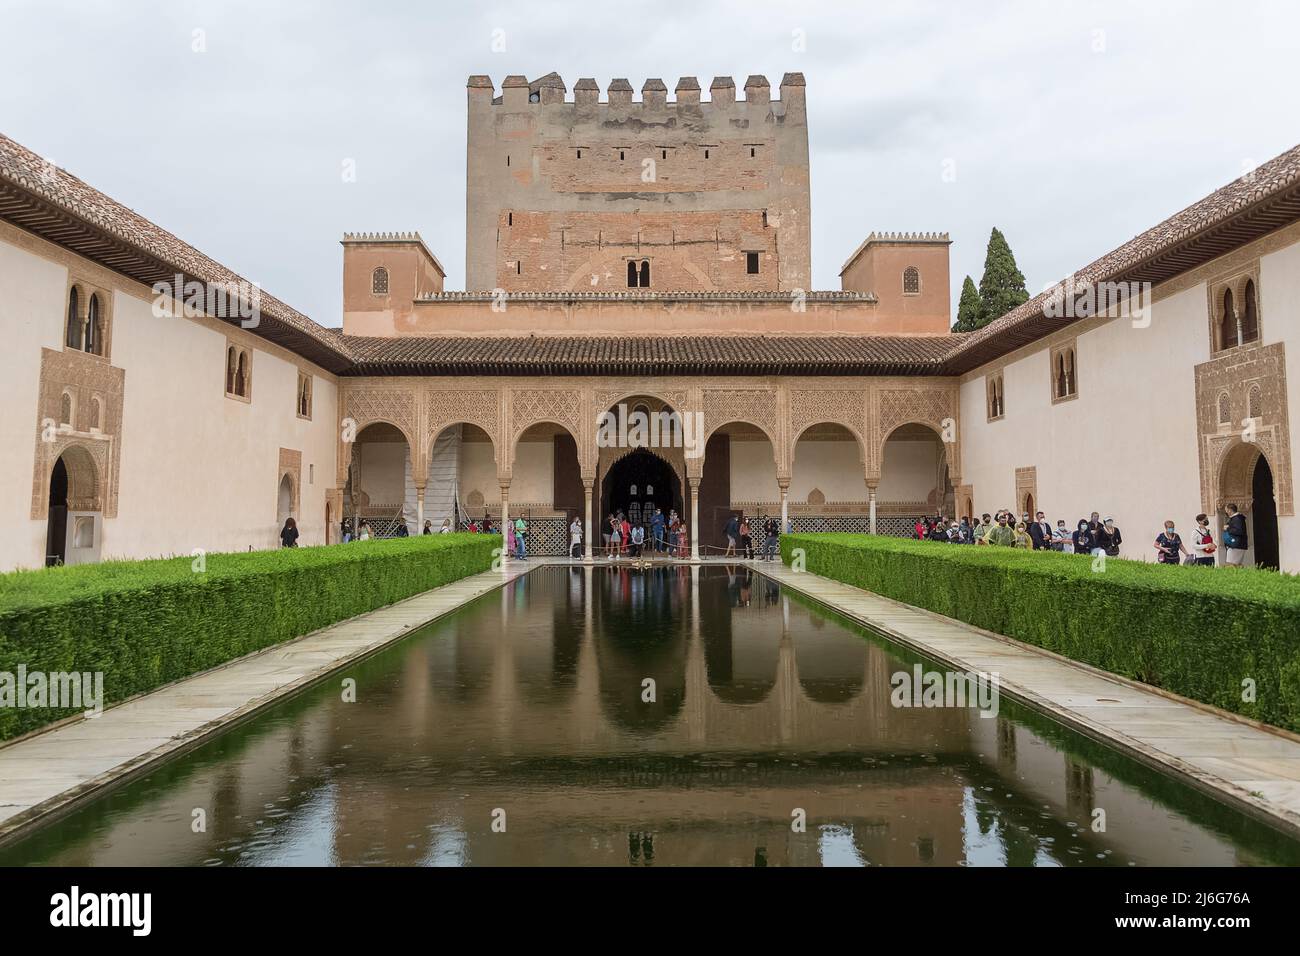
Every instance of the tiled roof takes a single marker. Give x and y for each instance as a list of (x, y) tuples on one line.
[(1255, 204), (58, 206), (33, 190), (646, 355)]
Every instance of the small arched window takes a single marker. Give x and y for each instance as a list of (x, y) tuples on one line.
[(911, 281), (1254, 402), (645, 273), (379, 281), (73, 338), (94, 413), (1225, 409), (94, 327), (241, 375), (1228, 323), (1250, 315), (631, 274), (231, 363), (65, 409)]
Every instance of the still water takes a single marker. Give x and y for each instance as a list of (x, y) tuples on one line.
[(524, 729)]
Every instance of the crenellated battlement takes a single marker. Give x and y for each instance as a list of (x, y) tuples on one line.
[(382, 237), (908, 237), (518, 91)]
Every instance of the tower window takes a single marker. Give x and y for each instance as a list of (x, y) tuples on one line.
[(620, 154), (706, 154), (751, 263), (510, 219), (631, 274), (911, 281), (379, 281), (752, 152), (580, 154), (663, 154), (645, 273), (74, 320), (1250, 315)]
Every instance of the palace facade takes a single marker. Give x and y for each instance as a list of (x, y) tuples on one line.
[(648, 258)]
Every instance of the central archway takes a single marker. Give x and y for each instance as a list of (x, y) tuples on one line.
[(636, 485)]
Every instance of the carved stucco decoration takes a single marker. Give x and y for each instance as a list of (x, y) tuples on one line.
[(934, 407), (368, 404), (290, 465), (476, 406), (1229, 449), (812, 406), (86, 379), (756, 406), (1026, 488), (562, 406)]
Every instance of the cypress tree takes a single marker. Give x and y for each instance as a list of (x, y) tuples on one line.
[(968, 308), (1003, 286)]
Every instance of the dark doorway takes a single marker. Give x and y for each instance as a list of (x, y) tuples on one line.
[(56, 534), (1264, 513), (636, 485)]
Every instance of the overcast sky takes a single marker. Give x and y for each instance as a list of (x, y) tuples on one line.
[(1070, 126)]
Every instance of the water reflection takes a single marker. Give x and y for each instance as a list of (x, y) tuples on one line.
[(666, 717)]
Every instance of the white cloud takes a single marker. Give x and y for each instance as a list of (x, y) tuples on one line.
[(1068, 150)]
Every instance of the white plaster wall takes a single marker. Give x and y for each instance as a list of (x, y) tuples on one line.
[(833, 466), (197, 470), (909, 470), (1126, 447), (533, 478), (382, 472), (31, 314), (1279, 301), (200, 470), (753, 472), (478, 472)]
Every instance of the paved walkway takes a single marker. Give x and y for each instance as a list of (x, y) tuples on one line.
[(47, 773), (1246, 763)]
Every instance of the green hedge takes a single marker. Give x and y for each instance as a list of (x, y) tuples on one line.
[(146, 623), (1195, 631)]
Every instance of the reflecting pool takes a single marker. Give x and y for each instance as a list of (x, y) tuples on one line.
[(664, 717)]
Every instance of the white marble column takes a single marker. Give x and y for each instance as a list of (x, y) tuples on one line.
[(505, 519), (589, 544), (694, 484), (871, 491), (785, 505), (419, 510)]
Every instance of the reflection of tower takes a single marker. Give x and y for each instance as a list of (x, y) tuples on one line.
[(696, 671), (588, 696), (1080, 794), (787, 680), (1006, 741)]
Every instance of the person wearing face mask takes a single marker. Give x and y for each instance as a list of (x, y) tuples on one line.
[(1082, 538), (1202, 542), (1061, 539), (1002, 533), (1107, 539), (1169, 545)]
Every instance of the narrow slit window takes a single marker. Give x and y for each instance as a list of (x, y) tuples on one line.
[(751, 263)]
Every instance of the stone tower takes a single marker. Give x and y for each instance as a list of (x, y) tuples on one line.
[(653, 194)]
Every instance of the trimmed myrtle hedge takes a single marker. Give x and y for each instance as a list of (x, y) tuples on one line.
[(147, 623), (1196, 631)]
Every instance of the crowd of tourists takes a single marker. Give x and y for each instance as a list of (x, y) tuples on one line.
[(669, 536), (1093, 535)]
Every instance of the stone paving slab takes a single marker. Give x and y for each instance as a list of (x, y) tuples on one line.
[(50, 772), (1245, 763)]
